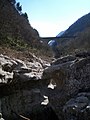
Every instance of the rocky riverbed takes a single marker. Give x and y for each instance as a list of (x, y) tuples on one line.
[(39, 90)]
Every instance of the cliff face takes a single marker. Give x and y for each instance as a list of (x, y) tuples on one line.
[(13, 25), (40, 91)]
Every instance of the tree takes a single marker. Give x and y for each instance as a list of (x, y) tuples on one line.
[(18, 4), (18, 7), (25, 15)]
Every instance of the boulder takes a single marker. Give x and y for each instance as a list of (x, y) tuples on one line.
[(61, 90), (64, 59), (77, 107)]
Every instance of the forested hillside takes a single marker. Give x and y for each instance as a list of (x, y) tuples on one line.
[(13, 25), (16, 31), (79, 26), (81, 30)]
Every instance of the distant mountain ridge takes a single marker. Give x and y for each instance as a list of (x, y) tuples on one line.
[(80, 29), (60, 34), (80, 25)]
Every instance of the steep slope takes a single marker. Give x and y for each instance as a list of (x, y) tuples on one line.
[(80, 25), (16, 33), (60, 34), (13, 25), (80, 29)]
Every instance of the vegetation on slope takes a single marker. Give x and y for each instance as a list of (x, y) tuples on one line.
[(80, 29), (16, 33)]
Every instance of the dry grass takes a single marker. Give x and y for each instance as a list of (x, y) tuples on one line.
[(24, 55)]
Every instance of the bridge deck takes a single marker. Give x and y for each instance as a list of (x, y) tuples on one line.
[(51, 38)]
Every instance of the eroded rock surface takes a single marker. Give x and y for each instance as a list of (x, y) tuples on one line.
[(40, 91)]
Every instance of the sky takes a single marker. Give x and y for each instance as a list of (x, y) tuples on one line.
[(50, 17)]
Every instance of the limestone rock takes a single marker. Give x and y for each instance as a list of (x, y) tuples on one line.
[(78, 107), (39, 90)]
